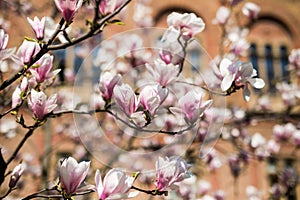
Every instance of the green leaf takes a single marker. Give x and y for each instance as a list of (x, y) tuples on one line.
[(118, 22), (29, 39)]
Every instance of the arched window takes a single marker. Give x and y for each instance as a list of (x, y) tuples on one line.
[(271, 41)]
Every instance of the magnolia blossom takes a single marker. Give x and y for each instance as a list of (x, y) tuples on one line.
[(116, 185), (27, 51), (4, 53), (188, 24), (19, 92), (283, 133), (204, 187), (289, 93), (109, 6), (3, 39), (277, 191), (253, 193), (239, 74), (273, 147), (72, 174), (143, 14), (169, 171), (264, 103), (163, 73), (16, 174), (211, 159), (294, 60), (42, 72), (39, 104), (107, 83), (68, 8), (251, 10), (171, 51), (125, 98), (38, 26), (296, 137), (191, 107), (151, 97), (219, 195), (257, 140), (239, 47), (222, 16)]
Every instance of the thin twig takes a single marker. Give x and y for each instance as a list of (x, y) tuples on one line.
[(20, 145), (89, 112), (96, 28), (151, 192)]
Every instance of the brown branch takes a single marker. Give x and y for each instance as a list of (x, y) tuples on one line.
[(43, 51), (133, 126), (20, 145), (95, 29), (151, 192)]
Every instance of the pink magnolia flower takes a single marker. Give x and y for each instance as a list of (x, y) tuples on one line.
[(27, 51), (125, 98), (211, 159), (72, 174), (264, 103), (219, 195), (204, 187), (163, 73), (239, 47), (43, 71), (222, 16), (116, 185), (39, 104), (191, 107), (257, 141), (239, 74), (107, 83), (289, 93), (109, 6), (273, 147), (38, 26), (188, 24), (3, 39), (296, 137), (4, 53), (253, 193), (19, 93), (283, 133), (151, 97), (251, 10), (171, 51), (294, 60), (16, 174), (169, 171), (139, 118), (68, 8)]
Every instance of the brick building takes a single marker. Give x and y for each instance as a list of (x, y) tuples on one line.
[(272, 36)]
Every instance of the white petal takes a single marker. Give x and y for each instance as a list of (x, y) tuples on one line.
[(257, 83), (227, 82), (246, 93), (224, 66)]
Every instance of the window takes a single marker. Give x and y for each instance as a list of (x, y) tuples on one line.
[(194, 57), (253, 57), (269, 67), (284, 63)]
